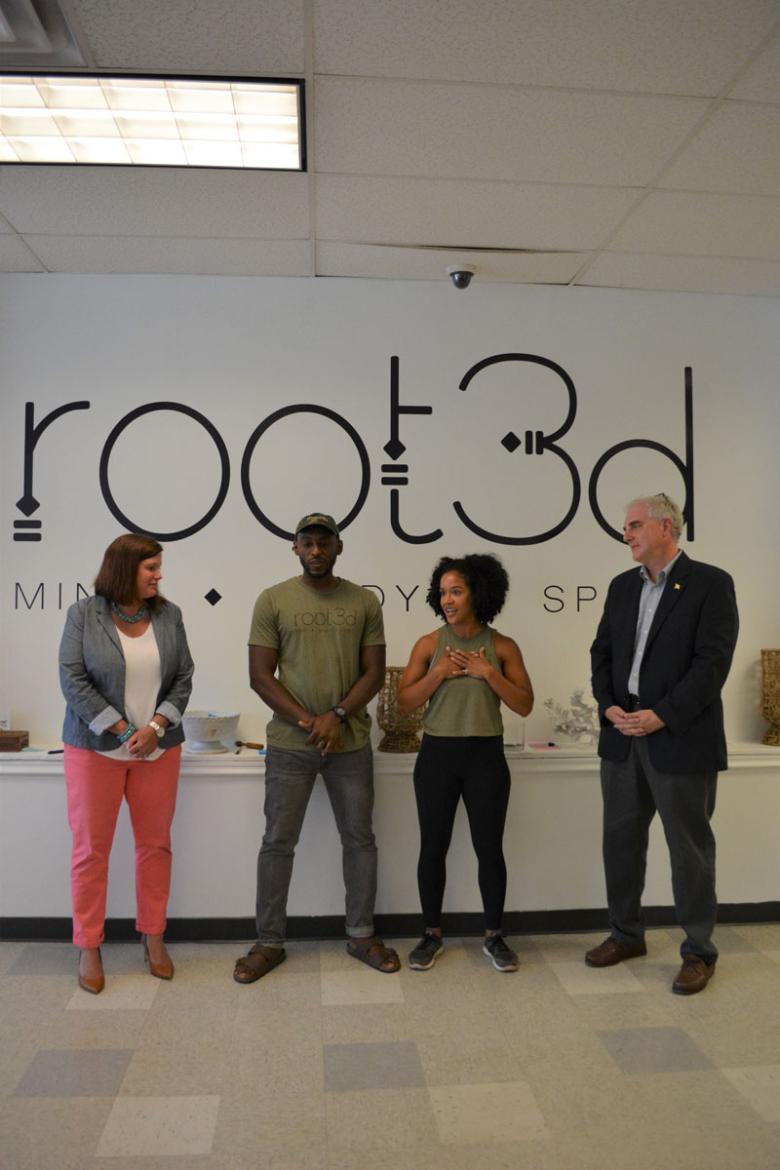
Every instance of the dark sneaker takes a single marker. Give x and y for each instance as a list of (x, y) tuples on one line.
[(502, 957), (426, 952)]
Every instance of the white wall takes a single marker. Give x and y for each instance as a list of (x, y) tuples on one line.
[(237, 350)]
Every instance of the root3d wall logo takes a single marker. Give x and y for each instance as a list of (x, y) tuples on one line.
[(519, 441)]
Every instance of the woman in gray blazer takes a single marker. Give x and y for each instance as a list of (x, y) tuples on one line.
[(126, 674)]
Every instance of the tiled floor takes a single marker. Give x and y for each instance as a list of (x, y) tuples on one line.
[(326, 1065)]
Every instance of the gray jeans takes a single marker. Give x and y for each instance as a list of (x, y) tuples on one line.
[(633, 792), (289, 780)]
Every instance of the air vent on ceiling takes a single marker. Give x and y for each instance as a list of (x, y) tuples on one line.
[(34, 34), (484, 250)]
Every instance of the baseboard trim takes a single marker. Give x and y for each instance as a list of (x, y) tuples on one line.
[(390, 925)]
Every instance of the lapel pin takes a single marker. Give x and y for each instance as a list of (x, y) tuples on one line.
[(677, 585)]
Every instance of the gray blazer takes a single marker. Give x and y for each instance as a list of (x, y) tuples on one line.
[(92, 674)]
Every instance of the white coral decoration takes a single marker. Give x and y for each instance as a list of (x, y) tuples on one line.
[(580, 720)]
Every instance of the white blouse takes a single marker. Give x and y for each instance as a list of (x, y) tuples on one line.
[(142, 686)]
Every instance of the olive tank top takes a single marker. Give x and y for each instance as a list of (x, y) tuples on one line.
[(464, 706)]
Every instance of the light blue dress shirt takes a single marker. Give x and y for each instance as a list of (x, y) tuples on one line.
[(652, 592)]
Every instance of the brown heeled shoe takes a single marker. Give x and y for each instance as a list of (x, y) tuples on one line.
[(159, 970), (94, 984)]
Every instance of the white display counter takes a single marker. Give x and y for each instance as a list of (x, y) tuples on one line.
[(552, 841)]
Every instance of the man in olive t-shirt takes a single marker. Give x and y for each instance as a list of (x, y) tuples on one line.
[(316, 658)]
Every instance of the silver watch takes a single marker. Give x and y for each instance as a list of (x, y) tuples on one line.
[(158, 730)]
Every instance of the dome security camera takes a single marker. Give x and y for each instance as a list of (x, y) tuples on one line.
[(461, 274)]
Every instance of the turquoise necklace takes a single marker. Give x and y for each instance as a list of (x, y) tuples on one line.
[(138, 616)]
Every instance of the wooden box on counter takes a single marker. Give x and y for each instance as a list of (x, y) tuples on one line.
[(14, 741)]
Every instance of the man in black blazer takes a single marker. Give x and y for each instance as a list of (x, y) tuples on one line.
[(659, 661)]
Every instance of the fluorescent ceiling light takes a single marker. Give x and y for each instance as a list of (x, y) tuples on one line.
[(151, 121)]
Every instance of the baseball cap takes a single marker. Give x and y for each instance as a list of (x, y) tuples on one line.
[(317, 520)]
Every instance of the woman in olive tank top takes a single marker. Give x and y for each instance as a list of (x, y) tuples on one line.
[(462, 673)]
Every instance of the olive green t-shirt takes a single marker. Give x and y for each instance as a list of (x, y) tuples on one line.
[(464, 706), (318, 636)]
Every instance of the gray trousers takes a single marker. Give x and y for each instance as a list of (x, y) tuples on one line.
[(289, 780), (633, 792)]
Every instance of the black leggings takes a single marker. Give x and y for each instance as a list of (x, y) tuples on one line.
[(447, 768)]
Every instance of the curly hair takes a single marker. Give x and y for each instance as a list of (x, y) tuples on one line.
[(117, 574), (486, 578)]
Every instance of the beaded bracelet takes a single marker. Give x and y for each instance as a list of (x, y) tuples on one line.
[(128, 731)]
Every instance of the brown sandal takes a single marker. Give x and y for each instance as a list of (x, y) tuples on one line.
[(260, 960), (374, 952)]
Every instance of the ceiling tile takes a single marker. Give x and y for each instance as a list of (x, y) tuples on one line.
[(494, 132), (687, 224), (652, 46), (199, 256), (361, 260), (195, 36), (14, 257), (761, 82), (126, 201), (377, 127), (737, 150), (708, 274), (470, 213)]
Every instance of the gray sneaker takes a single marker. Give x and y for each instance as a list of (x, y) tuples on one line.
[(498, 952), (426, 952)]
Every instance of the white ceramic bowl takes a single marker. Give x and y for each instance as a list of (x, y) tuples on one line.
[(206, 730)]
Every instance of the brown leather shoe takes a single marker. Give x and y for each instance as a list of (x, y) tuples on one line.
[(163, 970), (693, 976), (610, 952), (94, 984)]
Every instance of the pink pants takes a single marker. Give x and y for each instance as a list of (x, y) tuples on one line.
[(95, 787)]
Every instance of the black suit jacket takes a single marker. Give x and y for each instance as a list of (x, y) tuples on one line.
[(685, 664)]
